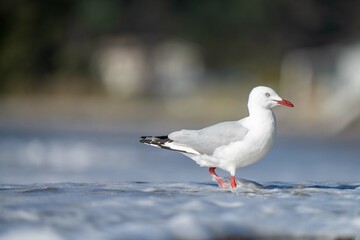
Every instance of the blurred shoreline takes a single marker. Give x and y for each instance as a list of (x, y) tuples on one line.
[(146, 116)]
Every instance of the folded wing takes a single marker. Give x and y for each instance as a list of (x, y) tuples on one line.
[(206, 140)]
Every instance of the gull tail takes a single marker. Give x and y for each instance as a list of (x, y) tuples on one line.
[(166, 143)]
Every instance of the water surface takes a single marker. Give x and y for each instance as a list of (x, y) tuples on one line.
[(105, 185)]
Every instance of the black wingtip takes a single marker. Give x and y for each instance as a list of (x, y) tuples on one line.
[(145, 139), (156, 140), (159, 141)]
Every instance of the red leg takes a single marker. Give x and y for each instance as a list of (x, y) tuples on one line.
[(233, 182), (216, 177)]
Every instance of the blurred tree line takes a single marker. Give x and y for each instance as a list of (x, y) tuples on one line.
[(51, 43)]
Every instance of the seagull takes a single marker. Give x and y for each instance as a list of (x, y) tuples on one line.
[(229, 145)]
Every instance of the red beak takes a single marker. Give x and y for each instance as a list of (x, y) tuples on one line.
[(285, 103)]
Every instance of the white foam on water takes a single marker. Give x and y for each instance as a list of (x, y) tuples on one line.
[(31, 234), (179, 210)]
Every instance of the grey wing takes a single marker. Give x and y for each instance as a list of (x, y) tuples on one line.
[(206, 140)]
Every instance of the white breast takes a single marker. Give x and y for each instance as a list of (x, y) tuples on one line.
[(256, 145)]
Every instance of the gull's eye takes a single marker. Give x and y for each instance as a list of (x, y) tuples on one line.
[(267, 94)]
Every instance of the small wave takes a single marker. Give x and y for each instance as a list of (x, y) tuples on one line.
[(43, 190)]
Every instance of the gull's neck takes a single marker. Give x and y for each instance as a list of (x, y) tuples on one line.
[(262, 126), (262, 120), (258, 113)]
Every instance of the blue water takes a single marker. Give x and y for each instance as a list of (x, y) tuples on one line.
[(114, 156), (105, 185), (143, 210)]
